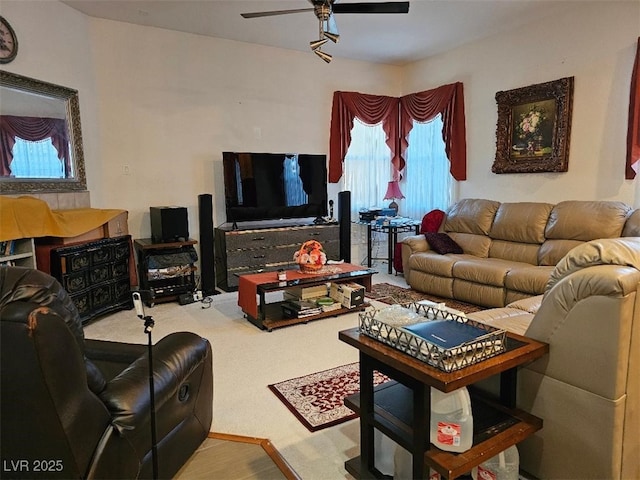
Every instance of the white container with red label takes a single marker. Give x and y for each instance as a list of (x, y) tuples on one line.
[(451, 420)]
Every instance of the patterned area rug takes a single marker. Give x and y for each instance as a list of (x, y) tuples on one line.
[(387, 293), (317, 400)]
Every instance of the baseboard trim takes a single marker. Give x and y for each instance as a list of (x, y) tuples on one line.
[(266, 445)]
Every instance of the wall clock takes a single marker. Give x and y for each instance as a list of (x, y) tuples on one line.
[(8, 42)]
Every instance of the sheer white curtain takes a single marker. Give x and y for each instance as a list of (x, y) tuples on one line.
[(426, 183), (36, 160), (367, 167)]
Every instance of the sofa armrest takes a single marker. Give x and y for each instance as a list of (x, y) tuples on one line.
[(410, 245), (175, 358), (416, 243), (588, 317)]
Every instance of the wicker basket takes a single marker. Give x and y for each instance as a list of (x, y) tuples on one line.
[(310, 267)]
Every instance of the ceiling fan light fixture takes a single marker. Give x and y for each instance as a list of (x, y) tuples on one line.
[(323, 55), (317, 43), (334, 37)]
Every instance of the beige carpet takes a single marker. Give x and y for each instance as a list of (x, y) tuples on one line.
[(232, 457), (245, 361)]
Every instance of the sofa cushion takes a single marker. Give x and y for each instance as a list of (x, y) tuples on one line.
[(471, 215), (508, 318), (552, 251), (632, 225), (472, 244), (434, 263), (531, 304), (486, 271), (528, 279), (442, 243), (522, 222), (516, 252), (586, 220)]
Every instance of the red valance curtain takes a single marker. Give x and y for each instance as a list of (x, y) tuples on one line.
[(32, 129), (447, 100), (396, 115), (633, 133), (370, 109)]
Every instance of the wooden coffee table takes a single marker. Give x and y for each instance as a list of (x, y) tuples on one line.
[(401, 408), (253, 288)]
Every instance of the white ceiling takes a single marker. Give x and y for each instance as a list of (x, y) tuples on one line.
[(430, 27)]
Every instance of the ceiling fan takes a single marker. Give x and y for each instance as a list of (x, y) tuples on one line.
[(324, 10)]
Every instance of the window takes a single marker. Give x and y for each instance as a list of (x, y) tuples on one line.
[(37, 159), (426, 183), (367, 167)]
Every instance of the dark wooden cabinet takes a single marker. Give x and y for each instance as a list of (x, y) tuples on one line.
[(95, 275), (167, 270), (251, 250)]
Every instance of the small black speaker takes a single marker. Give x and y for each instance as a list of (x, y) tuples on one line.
[(169, 224), (205, 217), (344, 220)]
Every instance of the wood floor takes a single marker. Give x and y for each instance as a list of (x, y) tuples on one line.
[(234, 457)]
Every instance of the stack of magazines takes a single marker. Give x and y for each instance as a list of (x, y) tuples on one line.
[(292, 308)]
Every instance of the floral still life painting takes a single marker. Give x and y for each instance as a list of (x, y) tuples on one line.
[(534, 124), (532, 132)]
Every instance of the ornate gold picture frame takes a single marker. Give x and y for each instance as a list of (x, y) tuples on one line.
[(534, 124)]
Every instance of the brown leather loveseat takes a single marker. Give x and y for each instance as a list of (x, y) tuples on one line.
[(76, 408)]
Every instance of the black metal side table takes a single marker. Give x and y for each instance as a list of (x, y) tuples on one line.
[(392, 230)]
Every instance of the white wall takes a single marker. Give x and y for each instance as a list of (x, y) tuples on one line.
[(594, 42), (170, 103)]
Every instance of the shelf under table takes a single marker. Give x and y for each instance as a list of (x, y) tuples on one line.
[(495, 427)]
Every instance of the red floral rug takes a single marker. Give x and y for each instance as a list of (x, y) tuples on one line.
[(317, 400), (388, 293)]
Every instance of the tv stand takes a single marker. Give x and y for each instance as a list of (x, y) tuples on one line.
[(266, 247)]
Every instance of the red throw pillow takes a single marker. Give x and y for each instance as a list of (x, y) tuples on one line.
[(442, 243), (431, 221)]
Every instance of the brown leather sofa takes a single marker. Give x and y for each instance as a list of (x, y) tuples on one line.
[(76, 408), (509, 249), (587, 389)]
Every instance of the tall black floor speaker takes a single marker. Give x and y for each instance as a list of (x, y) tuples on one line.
[(205, 216), (344, 219)]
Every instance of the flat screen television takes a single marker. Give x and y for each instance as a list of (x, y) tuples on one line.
[(270, 186)]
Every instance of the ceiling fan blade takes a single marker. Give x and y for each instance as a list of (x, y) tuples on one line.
[(275, 12), (370, 7)]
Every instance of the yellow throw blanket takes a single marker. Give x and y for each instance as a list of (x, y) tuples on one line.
[(26, 217)]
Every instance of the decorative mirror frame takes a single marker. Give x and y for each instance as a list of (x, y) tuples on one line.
[(72, 106), (553, 158)]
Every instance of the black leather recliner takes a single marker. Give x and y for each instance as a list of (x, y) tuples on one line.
[(76, 408)]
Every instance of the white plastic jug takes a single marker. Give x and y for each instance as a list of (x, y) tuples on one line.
[(504, 466), (384, 449), (451, 420)]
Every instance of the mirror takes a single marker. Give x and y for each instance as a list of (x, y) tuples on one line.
[(44, 112)]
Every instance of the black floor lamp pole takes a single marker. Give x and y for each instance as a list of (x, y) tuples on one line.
[(148, 327)]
